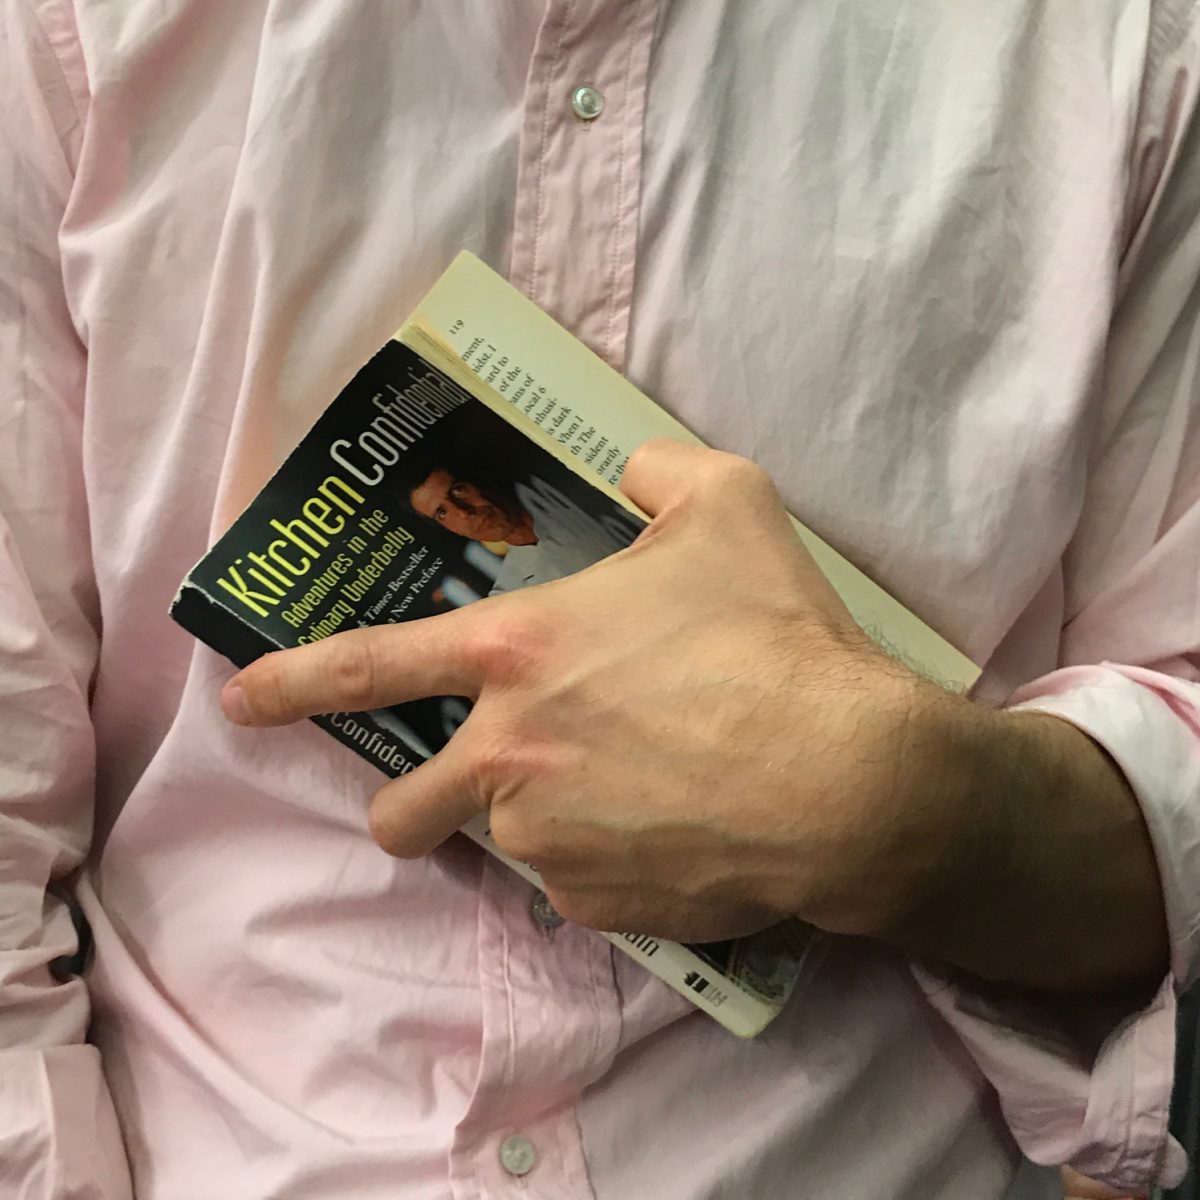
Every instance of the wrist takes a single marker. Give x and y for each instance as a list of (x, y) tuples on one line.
[(1017, 809), (938, 828), (900, 816)]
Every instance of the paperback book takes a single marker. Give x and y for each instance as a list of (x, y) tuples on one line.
[(479, 452)]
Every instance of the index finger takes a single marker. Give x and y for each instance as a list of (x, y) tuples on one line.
[(356, 671)]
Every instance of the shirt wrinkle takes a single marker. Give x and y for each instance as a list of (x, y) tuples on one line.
[(874, 250)]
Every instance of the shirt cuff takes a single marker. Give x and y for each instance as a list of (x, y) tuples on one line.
[(1100, 1103), (1150, 725), (1102, 1113)]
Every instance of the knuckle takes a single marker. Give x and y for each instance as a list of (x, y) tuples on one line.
[(381, 828), (642, 458), (266, 686), (494, 761), (731, 473), (386, 822), (514, 835), (581, 909), (510, 646), (352, 674)]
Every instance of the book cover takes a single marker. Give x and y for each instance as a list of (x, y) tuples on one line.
[(410, 496)]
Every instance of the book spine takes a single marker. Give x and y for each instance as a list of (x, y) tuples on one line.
[(216, 626)]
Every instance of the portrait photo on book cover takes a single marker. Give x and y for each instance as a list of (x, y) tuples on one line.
[(530, 518), (518, 517)]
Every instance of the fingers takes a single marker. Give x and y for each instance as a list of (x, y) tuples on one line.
[(651, 909), (359, 670), (414, 814), (1079, 1188), (660, 473)]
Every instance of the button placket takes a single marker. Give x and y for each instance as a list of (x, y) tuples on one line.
[(573, 249), (579, 177)]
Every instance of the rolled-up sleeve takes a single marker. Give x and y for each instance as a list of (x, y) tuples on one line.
[(58, 1132), (1129, 671), (1101, 1103)]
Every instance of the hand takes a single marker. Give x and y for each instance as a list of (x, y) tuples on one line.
[(690, 739), (693, 738)]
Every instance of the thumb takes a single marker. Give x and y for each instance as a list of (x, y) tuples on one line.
[(663, 474)]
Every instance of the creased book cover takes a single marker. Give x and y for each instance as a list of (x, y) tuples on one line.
[(411, 497)]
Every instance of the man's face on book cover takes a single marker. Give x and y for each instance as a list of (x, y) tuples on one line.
[(459, 506)]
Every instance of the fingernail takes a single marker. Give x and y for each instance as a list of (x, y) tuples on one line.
[(235, 705)]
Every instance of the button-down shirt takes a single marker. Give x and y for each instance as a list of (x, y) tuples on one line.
[(933, 265)]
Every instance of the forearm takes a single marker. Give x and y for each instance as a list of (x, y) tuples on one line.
[(1045, 877)]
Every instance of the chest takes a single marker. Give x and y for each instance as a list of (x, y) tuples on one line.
[(844, 239)]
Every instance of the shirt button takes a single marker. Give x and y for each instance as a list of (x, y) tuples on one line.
[(587, 103), (517, 1155), (544, 913)]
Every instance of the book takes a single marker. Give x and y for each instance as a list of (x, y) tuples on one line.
[(479, 451)]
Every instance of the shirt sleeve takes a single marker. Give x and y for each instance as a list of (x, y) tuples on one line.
[(1130, 658), (58, 1133)]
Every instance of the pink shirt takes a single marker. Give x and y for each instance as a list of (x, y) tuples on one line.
[(932, 265)]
